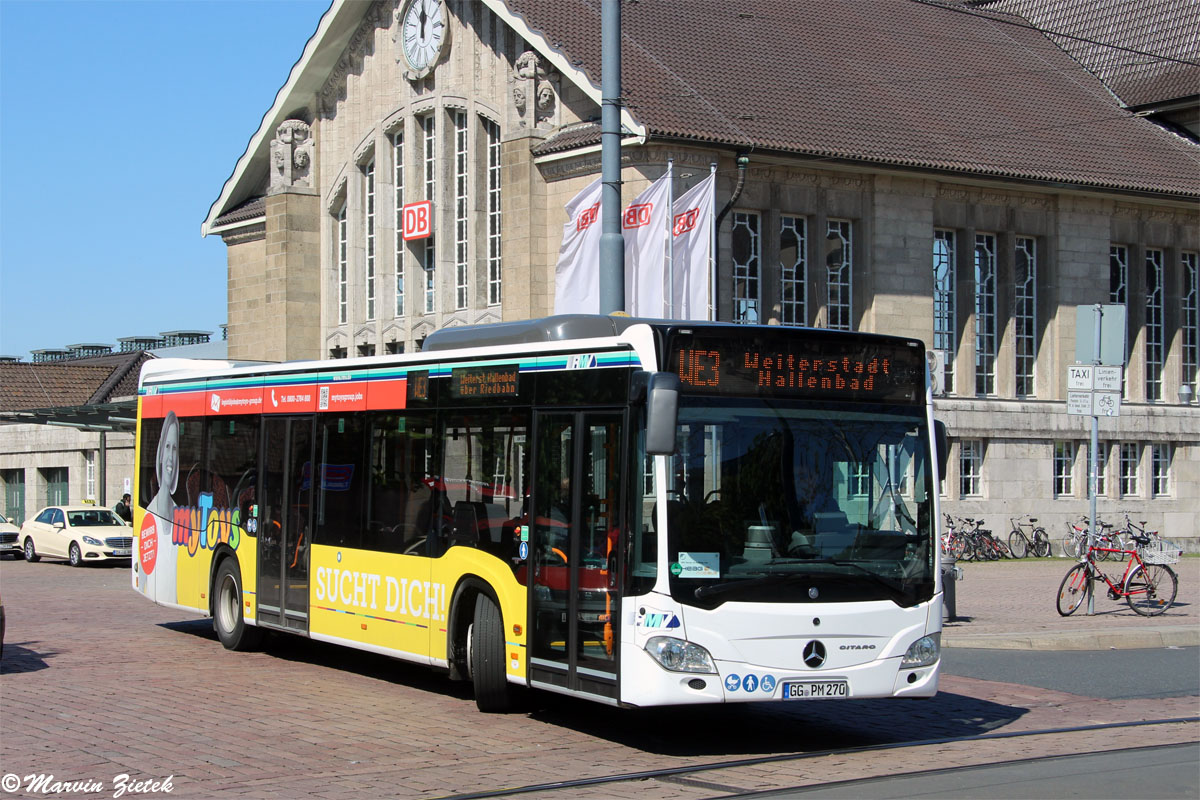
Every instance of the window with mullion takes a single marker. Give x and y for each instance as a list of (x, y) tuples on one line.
[(369, 232), (1160, 469), (1154, 324), (745, 239), (495, 271), (970, 468), (1064, 469), (985, 314), (1025, 315), (839, 267), (398, 187), (342, 264), (1191, 320), (1130, 455), (945, 328), (461, 268), (793, 269), (429, 168)]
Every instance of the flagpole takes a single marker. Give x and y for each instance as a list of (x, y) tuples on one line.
[(670, 238), (712, 249)]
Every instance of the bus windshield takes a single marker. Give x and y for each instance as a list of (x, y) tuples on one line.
[(795, 501)]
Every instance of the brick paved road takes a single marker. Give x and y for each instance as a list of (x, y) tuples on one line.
[(95, 682), (1011, 604)]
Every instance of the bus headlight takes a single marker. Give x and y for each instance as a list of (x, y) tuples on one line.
[(923, 652), (677, 655)]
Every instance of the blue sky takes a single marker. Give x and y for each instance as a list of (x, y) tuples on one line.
[(119, 123)]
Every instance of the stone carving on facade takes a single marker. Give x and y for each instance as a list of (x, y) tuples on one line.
[(534, 92), (291, 156), (362, 44)]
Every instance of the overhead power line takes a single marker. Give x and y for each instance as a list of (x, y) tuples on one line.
[(995, 17)]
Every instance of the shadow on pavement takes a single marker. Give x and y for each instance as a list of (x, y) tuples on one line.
[(735, 730), (20, 658), (744, 729)]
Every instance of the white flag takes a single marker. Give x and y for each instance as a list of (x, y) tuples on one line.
[(692, 227), (644, 225), (577, 273)]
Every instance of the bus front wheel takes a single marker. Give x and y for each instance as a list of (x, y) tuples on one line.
[(228, 619), (485, 652)]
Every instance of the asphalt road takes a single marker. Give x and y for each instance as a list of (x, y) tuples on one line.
[(1111, 674)]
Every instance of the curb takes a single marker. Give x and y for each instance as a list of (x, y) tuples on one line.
[(1123, 639)]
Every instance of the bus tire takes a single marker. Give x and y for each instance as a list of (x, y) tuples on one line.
[(229, 621), (485, 650)]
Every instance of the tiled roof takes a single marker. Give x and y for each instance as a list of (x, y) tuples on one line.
[(1169, 29), (569, 137), (77, 382), (893, 82), (251, 209)]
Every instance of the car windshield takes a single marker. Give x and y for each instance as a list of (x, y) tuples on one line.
[(784, 502), (92, 517)]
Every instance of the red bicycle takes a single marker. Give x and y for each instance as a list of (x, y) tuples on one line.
[(1148, 584)]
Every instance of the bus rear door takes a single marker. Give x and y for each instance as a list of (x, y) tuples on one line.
[(284, 522)]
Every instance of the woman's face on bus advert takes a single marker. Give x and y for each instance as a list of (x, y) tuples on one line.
[(169, 463)]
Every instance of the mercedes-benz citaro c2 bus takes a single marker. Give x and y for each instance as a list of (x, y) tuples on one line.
[(638, 512)]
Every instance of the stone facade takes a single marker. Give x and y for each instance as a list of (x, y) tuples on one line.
[(318, 276), (32, 455)]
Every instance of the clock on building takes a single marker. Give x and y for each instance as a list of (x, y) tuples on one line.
[(424, 31)]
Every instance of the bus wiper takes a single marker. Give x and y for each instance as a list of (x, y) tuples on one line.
[(714, 589)]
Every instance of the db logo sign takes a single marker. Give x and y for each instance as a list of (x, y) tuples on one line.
[(417, 220), (638, 215), (587, 217), (686, 221)]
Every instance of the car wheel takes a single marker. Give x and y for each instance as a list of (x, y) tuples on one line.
[(74, 555), (30, 554)]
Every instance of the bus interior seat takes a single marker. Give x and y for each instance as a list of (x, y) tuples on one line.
[(466, 524)]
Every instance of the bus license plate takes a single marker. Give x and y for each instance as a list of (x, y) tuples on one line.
[(815, 690)]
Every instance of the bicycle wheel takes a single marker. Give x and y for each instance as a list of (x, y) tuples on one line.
[(1017, 544), (1151, 589), (1070, 545), (1073, 589), (1041, 543)]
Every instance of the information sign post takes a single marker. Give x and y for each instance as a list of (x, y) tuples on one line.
[(1094, 389)]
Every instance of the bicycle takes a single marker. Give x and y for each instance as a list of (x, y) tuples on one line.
[(1148, 584), (954, 543), (1021, 543), (1076, 539), (982, 545)]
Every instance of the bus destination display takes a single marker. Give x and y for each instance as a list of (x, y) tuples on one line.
[(500, 381), (812, 368)]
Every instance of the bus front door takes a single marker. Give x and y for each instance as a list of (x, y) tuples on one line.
[(284, 519), (574, 608)]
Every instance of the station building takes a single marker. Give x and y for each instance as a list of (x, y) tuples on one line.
[(967, 173)]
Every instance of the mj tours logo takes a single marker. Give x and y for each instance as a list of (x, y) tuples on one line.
[(120, 786)]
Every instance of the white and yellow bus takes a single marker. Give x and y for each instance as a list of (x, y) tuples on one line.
[(636, 512)]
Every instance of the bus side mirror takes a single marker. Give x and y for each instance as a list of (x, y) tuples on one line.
[(942, 439), (662, 413)]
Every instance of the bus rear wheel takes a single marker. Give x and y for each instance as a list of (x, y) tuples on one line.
[(485, 654), (228, 619)]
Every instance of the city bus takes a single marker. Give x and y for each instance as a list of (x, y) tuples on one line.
[(636, 512)]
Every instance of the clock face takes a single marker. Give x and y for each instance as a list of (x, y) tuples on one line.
[(423, 32)]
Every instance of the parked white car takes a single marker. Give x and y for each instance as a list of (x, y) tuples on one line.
[(10, 536), (77, 533)]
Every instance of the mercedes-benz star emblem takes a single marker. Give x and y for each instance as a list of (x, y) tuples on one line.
[(814, 654)]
